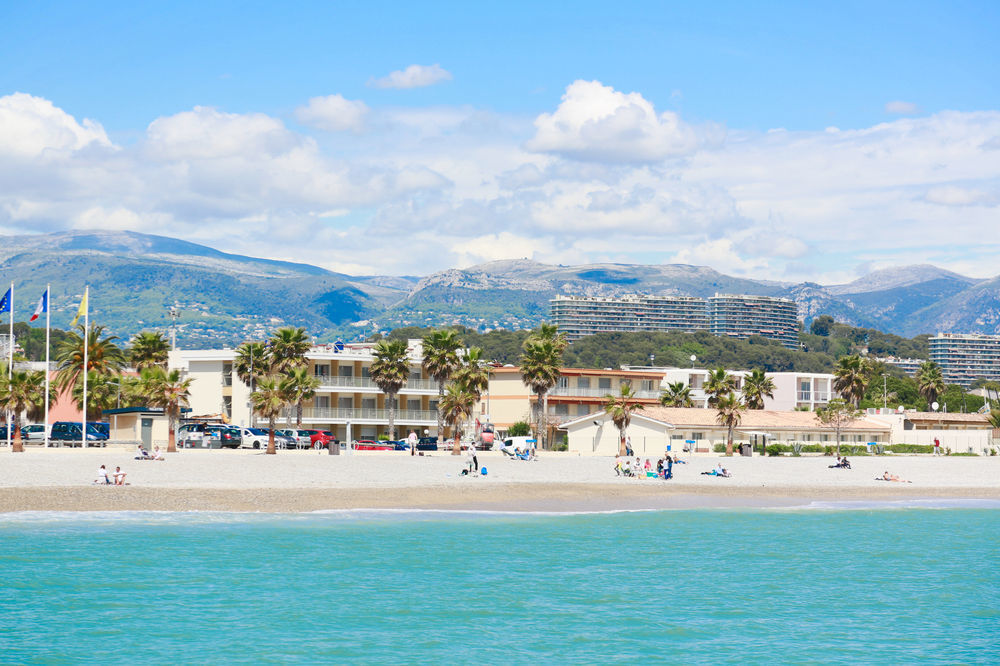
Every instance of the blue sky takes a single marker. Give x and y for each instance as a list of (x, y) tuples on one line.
[(571, 132)]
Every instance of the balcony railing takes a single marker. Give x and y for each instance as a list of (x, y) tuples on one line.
[(813, 396), (329, 383), (597, 393), (358, 414)]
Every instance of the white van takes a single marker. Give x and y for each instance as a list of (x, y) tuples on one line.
[(510, 444)]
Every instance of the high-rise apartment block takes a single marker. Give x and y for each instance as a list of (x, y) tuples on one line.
[(580, 317), (743, 316), (735, 316), (965, 358)]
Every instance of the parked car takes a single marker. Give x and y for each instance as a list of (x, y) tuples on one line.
[(191, 434), (257, 438), (321, 438), (70, 433), (372, 445), (300, 437), (223, 437), (33, 432)]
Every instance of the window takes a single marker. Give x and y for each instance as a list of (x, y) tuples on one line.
[(583, 382), (322, 370), (696, 436), (604, 383), (345, 371), (413, 405), (414, 375), (227, 403), (560, 409), (323, 401), (562, 382), (583, 410), (345, 403), (227, 374), (368, 403), (647, 385), (366, 371)]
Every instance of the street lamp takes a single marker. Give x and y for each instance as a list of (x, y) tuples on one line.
[(175, 314), (884, 385)]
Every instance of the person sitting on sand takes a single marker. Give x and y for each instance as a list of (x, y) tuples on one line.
[(102, 476), (648, 466), (845, 463), (119, 476), (143, 454), (157, 453)]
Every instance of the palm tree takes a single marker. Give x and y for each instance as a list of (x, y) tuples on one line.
[(757, 386), (389, 371), (677, 394), (838, 414), (289, 347), (729, 412), (851, 378), (103, 392), (718, 383), (456, 405), (268, 401), (103, 355), (540, 364), (252, 362), (21, 391), (620, 409), (169, 390), (148, 349), (550, 332), (440, 361), (930, 383), (994, 419), (300, 386), (474, 372)]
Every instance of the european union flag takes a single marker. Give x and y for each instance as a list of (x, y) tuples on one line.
[(5, 302)]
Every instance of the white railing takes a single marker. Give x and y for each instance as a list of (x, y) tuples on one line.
[(813, 396), (598, 393), (329, 383)]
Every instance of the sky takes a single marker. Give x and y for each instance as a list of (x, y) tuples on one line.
[(778, 140)]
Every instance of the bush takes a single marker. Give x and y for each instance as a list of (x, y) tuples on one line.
[(964, 454), (561, 446), (911, 448), (519, 429)]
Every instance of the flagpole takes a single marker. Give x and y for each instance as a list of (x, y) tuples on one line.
[(10, 357), (86, 346), (48, 322)]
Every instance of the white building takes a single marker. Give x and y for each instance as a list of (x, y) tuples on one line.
[(347, 402), (792, 390)]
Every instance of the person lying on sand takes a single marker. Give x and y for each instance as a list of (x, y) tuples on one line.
[(841, 464), (718, 471), (892, 477)]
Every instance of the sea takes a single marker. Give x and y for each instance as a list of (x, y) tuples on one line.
[(907, 582)]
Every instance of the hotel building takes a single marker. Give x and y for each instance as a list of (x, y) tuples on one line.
[(792, 390), (965, 358), (347, 402), (734, 316)]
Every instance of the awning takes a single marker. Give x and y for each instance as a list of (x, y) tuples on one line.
[(756, 433)]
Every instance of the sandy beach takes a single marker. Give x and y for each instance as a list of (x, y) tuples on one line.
[(62, 480)]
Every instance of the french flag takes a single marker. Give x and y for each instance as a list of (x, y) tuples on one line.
[(42, 307)]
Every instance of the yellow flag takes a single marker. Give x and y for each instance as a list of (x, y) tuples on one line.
[(81, 311)]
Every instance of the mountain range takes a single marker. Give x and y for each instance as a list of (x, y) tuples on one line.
[(135, 279)]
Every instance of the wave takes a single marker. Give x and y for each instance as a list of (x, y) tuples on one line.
[(868, 505)]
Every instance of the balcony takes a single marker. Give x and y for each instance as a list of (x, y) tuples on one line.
[(361, 415), (329, 383), (566, 392), (813, 396)]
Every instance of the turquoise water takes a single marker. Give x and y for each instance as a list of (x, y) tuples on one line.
[(818, 585)]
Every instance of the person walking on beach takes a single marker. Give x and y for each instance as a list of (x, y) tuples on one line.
[(411, 441)]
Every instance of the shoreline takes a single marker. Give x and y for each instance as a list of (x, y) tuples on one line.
[(506, 497)]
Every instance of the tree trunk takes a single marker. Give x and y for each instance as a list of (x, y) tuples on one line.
[(270, 436), (440, 432), (17, 445), (622, 451), (838, 442), (729, 441), (456, 449), (171, 433), (298, 414), (391, 398)]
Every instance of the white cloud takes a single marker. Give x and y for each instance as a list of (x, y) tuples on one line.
[(426, 189), (949, 195), (414, 76), (902, 108), (596, 122), (31, 126), (333, 113)]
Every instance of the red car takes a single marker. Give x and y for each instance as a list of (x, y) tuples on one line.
[(372, 445), (321, 438)]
